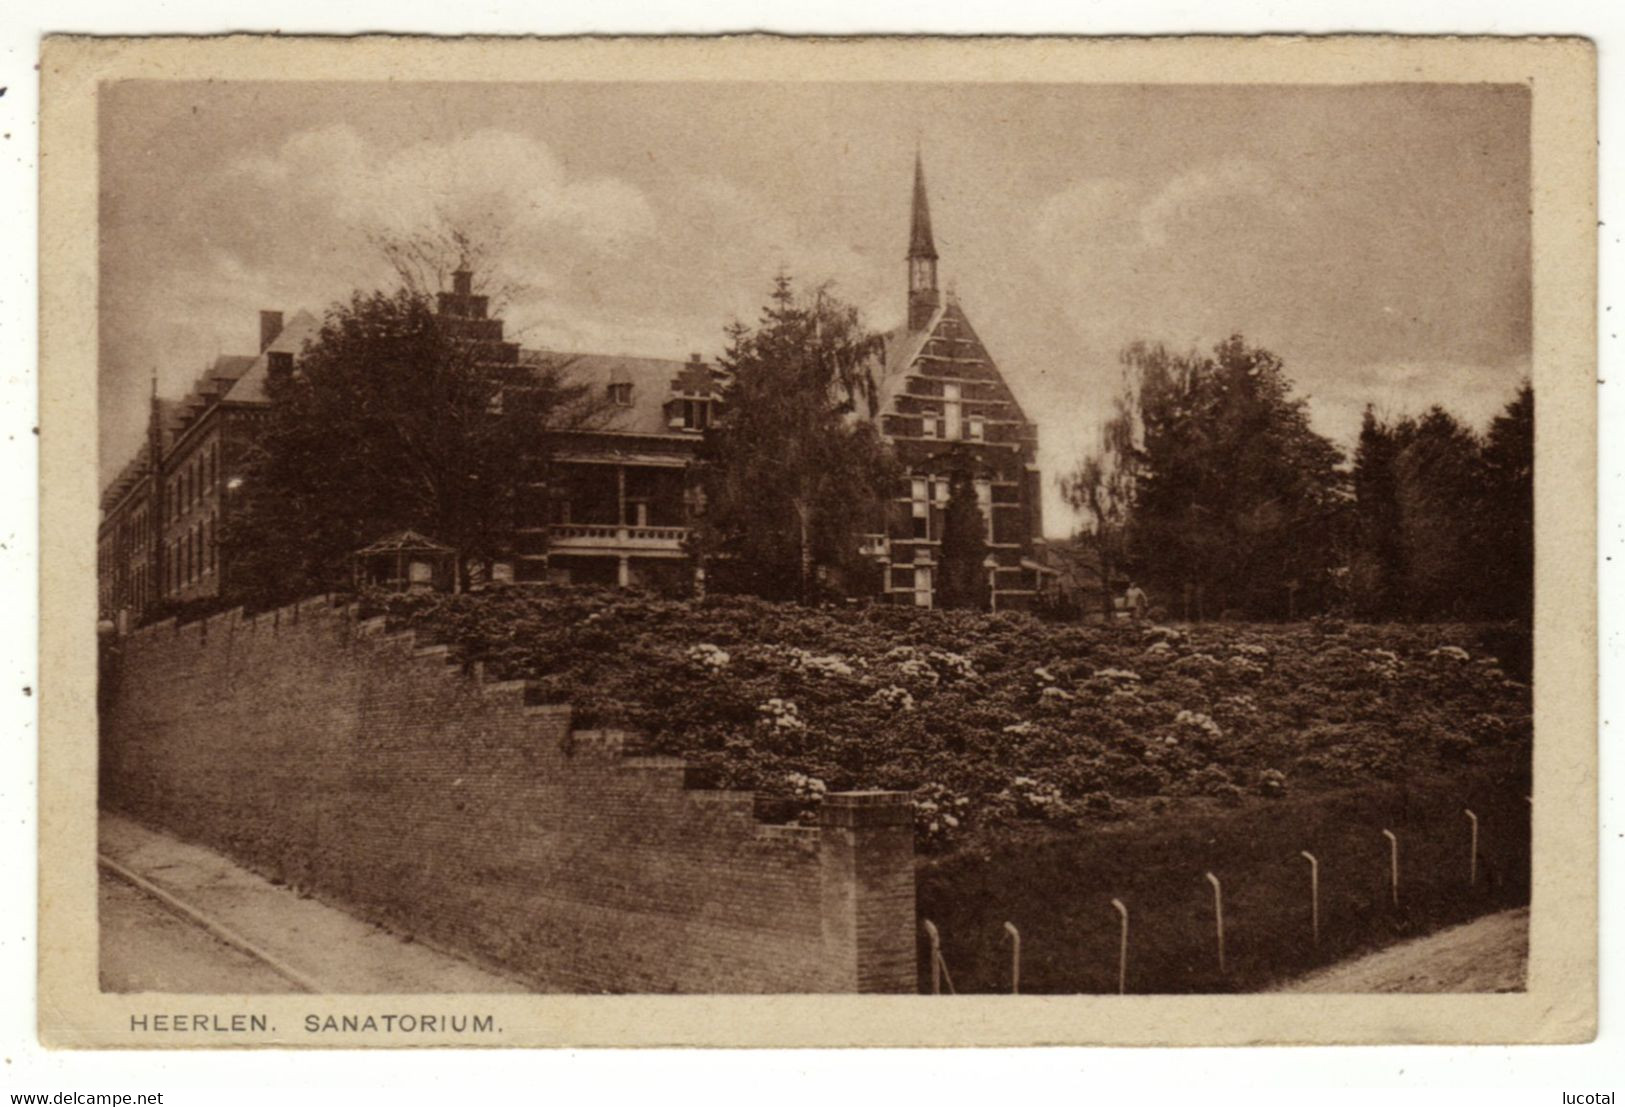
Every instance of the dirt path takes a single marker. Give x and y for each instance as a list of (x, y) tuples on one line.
[(1486, 955)]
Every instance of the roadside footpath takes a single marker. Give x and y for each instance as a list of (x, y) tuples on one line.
[(312, 946), (1490, 954)]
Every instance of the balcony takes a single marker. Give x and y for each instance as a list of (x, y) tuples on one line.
[(610, 538)]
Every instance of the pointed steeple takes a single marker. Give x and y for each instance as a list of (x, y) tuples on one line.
[(920, 244), (923, 297)]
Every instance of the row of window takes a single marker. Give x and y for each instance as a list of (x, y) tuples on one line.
[(952, 425), (188, 487), (191, 557), (928, 492)]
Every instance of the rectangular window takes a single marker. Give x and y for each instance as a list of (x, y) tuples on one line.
[(975, 428), (928, 427), (950, 411), (922, 586), (939, 489), (984, 504), (696, 414), (920, 507)]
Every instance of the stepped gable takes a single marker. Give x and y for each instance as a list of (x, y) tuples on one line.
[(654, 384), (947, 349)]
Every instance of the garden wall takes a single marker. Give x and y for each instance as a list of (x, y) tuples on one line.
[(366, 768)]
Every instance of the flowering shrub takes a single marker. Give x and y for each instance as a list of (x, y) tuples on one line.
[(1055, 699), (709, 658), (1195, 720), (1382, 663), (1272, 783), (892, 699), (1244, 666), (764, 695), (939, 812), (818, 664), (952, 665), (781, 714)]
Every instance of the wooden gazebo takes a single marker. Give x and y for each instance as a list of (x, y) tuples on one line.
[(405, 562)]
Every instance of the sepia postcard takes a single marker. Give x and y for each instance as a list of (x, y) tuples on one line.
[(790, 542)]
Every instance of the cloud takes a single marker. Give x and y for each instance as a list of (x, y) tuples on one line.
[(496, 183), (1209, 196)]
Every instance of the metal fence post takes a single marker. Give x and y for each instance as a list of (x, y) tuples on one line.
[(1015, 958), (1122, 949), (936, 955), (1393, 865), (1218, 915), (1472, 857), (1314, 894)]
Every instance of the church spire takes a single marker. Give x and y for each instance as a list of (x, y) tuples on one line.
[(923, 297), (920, 244)]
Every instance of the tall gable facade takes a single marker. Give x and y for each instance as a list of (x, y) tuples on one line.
[(945, 405)]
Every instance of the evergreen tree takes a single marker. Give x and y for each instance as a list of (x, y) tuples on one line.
[(963, 581), (1440, 494), (793, 475), (1377, 568), (1508, 572)]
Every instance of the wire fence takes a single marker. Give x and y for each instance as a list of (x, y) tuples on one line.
[(1232, 903)]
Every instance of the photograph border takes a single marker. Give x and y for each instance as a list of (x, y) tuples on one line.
[(1560, 1003)]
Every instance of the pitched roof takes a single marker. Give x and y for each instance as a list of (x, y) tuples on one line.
[(902, 347), (405, 541), (651, 379), (249, 387)]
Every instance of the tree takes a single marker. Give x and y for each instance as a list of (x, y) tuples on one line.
[(1509, 515), (1102, 486), (1214, 483), (793, 474), (1377, 564), (1440, 493), (396, 417), (964, 581)]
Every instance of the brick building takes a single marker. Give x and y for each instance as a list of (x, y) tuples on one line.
[(944, 404), (161, 517), (618, 503)]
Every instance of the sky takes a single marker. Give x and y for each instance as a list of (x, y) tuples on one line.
[(1376, 237)]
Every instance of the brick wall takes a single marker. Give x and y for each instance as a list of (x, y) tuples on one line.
[(367, 768)]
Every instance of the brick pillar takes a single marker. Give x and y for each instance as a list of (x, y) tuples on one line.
[(867, 852)]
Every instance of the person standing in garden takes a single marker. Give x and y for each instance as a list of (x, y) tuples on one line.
[(1134, 602)]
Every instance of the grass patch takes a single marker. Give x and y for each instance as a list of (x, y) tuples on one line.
[(1059, 892)]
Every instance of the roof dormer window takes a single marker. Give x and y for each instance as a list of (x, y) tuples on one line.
[(620, 393), (696, 414)]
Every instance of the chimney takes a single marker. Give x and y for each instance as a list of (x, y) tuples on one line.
[(270, 327), (462, 282)]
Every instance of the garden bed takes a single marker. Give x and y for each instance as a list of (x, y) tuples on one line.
[(1003, 727), (1055, 767)]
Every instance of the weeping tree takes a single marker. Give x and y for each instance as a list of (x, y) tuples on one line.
[(1102, 486), (794, 473)]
